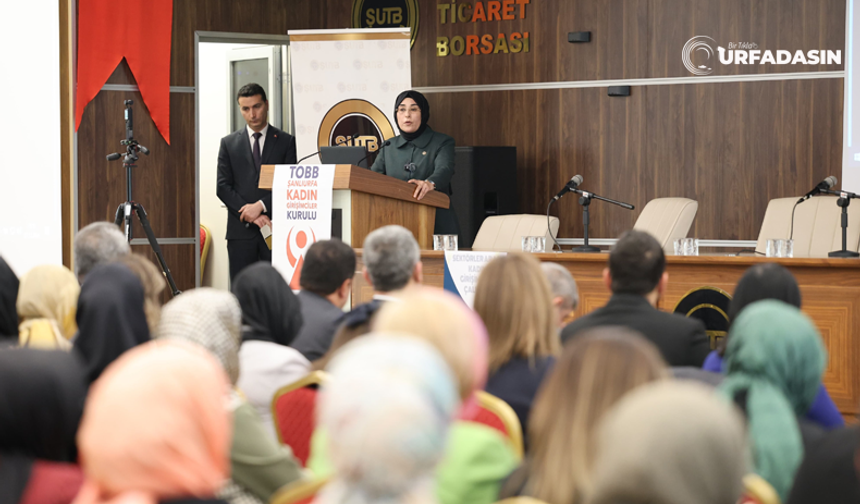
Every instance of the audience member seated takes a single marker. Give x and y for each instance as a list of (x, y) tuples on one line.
[(42, 394), (8, 311), (514, 300), (155, 427), (98, 243), (392, 265), (829, 470), (110, 317), (326, 280), (637, 278), (477, 457), (212, 319), (271, 318), (593, 373), (774, 361), (152, 280), (387, 411), (773, 281), (669, 443), (47, 301), (565, 294)]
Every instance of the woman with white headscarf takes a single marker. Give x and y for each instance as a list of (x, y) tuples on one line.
[(212, 319)]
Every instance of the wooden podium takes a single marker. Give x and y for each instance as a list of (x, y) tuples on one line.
[(369, 200)]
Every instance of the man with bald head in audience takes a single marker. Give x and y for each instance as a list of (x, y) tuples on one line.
[(637, 278)]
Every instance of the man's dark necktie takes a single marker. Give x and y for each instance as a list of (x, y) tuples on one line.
[(258, 158)]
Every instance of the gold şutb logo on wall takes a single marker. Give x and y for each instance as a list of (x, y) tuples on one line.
[(386, 14), (351, 117)]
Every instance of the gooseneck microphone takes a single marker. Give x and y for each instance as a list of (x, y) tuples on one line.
[(824, 185), (342, 140), (572, 184), (378, 151)]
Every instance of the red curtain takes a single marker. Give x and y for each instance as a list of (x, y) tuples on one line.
[(137, 30)]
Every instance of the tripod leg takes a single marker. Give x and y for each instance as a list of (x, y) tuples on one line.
[(144, 221)]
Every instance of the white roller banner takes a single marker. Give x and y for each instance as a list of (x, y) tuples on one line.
[(302, 197), (345, 83)]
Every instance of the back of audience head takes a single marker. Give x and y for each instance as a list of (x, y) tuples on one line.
[(210, 318), (152, 280), (98, 243), (110, 317), (637, 265), (445, 322), (155, 424), (670, 443), (386, 410), (514, 301), (47, 303), (565, 294), (270, 310), (774, 362), (329, 266), (42, 396), (8, 296), (392, 259), (762, 281), (595, 370)]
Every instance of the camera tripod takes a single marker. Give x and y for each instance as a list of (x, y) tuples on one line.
[(128, 208)]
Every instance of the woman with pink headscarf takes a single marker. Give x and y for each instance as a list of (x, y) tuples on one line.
[(155, 428)]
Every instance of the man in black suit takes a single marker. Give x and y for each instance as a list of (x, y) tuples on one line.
[(239, 160), (637, 278)]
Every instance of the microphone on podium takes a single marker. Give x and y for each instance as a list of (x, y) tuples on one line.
[(378, 151), (824, 185), (572, 184)]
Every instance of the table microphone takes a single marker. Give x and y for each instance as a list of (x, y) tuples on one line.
[(575, 181), (825, 184), (342, 140), (377, 152)]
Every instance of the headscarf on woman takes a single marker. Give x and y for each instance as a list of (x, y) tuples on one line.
[(387, 410), (270, 310), (423, 105), (47, 302), (152, 280), (457, 332), (41, 401), (670, 442), (774, 362), (8, 295), (110, 317), (210, 318), (155, 427)]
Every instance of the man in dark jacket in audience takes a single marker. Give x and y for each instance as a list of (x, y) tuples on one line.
[(326, 280), (637, 278)]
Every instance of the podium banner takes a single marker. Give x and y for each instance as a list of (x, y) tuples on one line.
[(302, 200), (345, 83), (462, 270)]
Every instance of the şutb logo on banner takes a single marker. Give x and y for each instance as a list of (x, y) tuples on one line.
[(349, 117)]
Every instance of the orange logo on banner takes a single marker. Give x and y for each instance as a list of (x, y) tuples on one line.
[(297, 244)]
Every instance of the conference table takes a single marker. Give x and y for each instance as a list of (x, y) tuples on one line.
[(830, 289)]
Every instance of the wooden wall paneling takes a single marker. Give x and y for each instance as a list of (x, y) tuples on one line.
[(162, 182), (180, 259)]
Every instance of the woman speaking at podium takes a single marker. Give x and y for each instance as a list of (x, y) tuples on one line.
[(420, 156)]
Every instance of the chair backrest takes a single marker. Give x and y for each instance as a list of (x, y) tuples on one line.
[(667, 219), (298, 492), (758, 491), (293, 409), (205, 243), (504, 233), (496, 413), (817, 225)]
